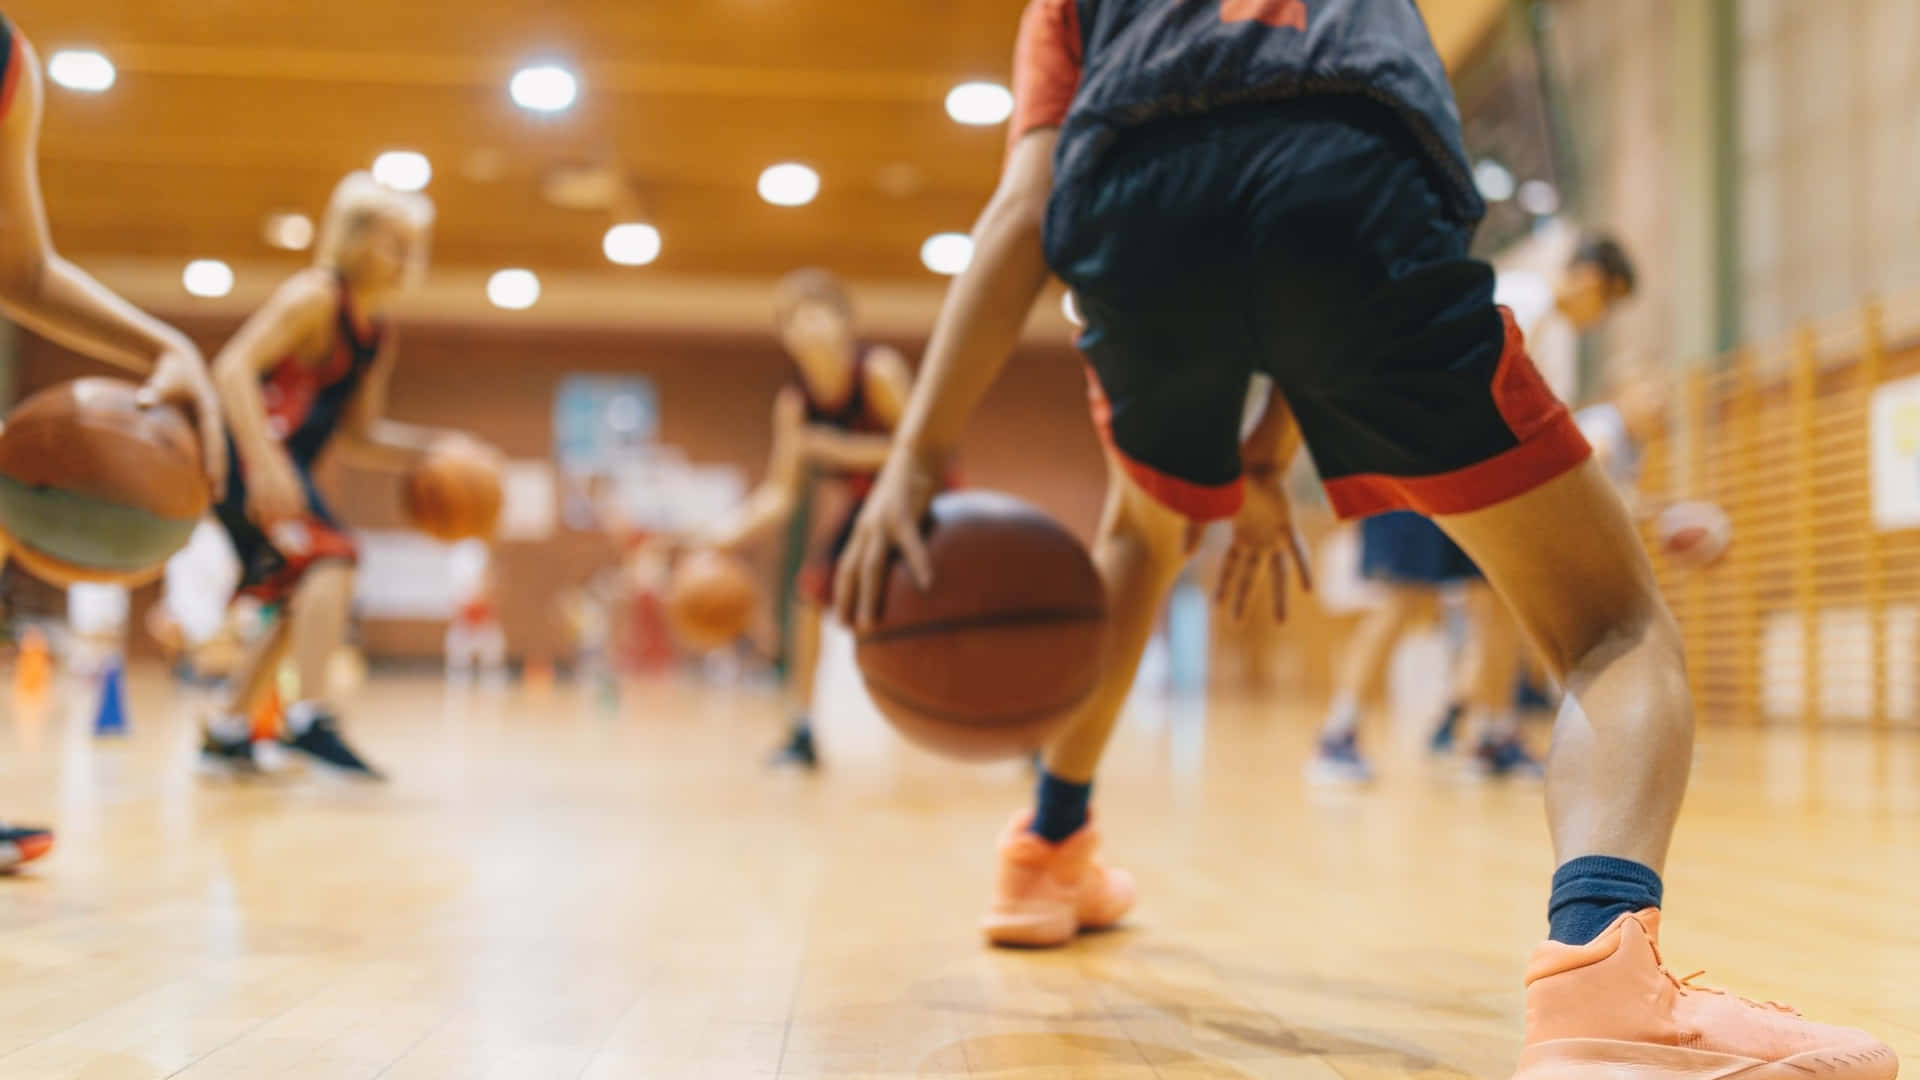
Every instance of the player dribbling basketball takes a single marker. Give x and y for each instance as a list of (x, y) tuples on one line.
[(306, 373), (1231, 186), (56, 299), (836, 419)]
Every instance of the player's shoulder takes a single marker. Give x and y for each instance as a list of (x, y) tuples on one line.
[(312, 291)]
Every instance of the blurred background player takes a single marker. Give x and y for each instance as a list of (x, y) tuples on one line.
[(1283, 185), (51, 296), (1413, 560), (476, 642), (307, 372), (831, 430)]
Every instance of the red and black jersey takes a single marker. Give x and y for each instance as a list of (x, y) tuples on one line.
[(853, 414), (1098, 68), (306, 402), (13, 66)]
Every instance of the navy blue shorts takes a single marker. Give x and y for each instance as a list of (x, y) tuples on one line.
[(269, 570), (1404, 548), (1306, 240)]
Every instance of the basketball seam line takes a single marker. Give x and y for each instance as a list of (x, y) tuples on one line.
[(885, 689), (985, 621)]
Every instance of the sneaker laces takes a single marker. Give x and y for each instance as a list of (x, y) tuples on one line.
[(1686, 985)]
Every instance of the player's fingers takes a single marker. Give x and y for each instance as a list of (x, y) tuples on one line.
[(1277, 577), (1223, 588), (1243, 588), (913, 548), (843, 576)]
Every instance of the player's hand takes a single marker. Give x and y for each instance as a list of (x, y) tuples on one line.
[(274, 492), (1264, 540), (180, 378), (889, 522)]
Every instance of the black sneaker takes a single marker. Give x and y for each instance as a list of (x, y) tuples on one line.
[(1506, 759), (22, 844), (322, 743), (798, 750), (228, 759)]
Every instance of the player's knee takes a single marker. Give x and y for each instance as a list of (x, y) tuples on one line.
[(1642, 625)]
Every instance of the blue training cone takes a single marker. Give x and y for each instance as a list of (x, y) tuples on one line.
[(111, 719)]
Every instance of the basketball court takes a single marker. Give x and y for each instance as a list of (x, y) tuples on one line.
[(583, 814)]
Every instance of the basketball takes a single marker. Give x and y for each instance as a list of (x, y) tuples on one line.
[(97, 488), (1693, 535), (987, 662), (454, 493), (710, 600)]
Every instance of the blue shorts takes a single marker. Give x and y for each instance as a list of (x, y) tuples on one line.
[(1306, 240), (1404, 548)]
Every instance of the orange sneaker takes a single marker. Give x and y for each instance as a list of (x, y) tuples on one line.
[(1047, 893), (1608, 1010)]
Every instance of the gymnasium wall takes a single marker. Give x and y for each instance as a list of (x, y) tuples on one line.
[(1033, 438)]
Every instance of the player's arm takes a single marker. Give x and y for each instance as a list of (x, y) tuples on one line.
[(59, 301), (774, 501), (886, 390), (979, 324), (297, 312), (369, 439)]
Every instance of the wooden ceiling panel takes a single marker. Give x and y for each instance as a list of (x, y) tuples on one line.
[(226, 110)]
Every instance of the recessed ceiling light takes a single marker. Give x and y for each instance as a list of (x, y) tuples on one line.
[(290, 231), (515, 290), (544, 88), (403, 170), (81, 69), (208, 278), (1493, 180), (789, 184), (632, 244), (980, 104), (947, 253)]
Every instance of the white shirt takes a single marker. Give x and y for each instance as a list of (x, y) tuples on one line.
[(1551, 339), (1606, 429), (201, 578)]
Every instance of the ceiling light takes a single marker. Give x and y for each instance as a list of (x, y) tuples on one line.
[(290, 232), (789, 184), (208, 278), (1493, 180), (947, 253), (544, 88), (981, 104), (632, 244), (81, 69), (515, 290), (403, 170)]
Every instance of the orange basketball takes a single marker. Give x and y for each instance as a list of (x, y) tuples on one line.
[(95, 487), (991, 659), (454, 492), (710, 600)]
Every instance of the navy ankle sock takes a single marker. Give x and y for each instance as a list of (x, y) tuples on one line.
[(1060, 808), (1593, 890)]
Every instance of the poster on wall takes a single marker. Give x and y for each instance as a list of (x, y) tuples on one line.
[(602, 420), (1894, 453)]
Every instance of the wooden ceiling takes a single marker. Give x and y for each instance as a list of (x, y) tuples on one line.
[(228, 110)]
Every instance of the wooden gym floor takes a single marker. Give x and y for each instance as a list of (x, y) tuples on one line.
[(555, 888)]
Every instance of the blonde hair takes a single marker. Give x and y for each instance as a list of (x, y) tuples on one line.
[(359, 200)]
